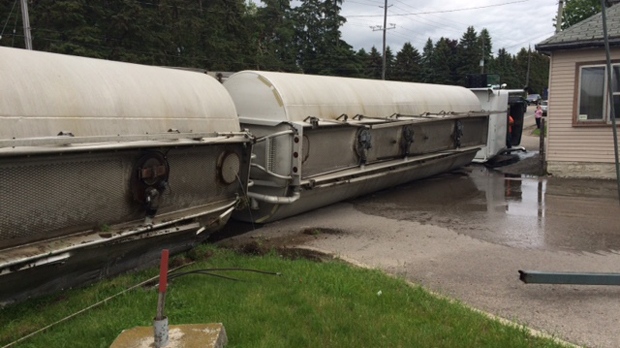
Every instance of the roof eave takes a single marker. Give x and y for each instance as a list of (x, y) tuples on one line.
[(598, 43)]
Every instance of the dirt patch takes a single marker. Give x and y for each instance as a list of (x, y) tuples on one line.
[(321, 230), (283, 245), (523, 166)]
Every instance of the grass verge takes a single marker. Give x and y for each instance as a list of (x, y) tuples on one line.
[(536, 132), (311, 304)]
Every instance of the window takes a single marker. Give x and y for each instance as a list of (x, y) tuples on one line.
[(593, 96), (616, 90)]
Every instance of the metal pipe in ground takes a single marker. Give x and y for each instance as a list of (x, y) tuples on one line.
[(160, 324)]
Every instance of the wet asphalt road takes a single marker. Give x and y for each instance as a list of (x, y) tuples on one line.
[(466, 234)]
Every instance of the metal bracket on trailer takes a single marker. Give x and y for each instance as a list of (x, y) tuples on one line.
[(314, 122)]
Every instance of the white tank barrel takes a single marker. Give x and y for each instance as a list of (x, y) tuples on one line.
[(293, 97), (42, 94)]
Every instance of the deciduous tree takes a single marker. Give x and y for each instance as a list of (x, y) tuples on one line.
[(577, 10)]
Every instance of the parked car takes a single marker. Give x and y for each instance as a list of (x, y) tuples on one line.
[(533, 99), (543, 105)]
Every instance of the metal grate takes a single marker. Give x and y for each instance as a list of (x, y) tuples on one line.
[(271, 158), (44, 197)]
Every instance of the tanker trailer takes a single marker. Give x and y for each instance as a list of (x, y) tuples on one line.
[(324, 139), (103, 164)]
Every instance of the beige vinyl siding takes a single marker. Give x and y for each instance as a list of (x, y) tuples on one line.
[(566, 142)]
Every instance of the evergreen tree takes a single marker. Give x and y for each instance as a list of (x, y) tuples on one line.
[(441, 63), (504, 66), (10, 20), (389, 64), (407, 64), (225, 40), (426, 62), (346, 62), (363, 58), (273, 37), (469, 54), (69, 27), (320, 49), (486, 48), (191, 33), (521, 67), (231, 35), (374, 64), (179, 31), (539, 72)]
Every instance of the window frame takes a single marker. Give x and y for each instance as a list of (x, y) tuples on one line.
[(605, 120)]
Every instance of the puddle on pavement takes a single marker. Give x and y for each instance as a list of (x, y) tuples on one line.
[(519, 211)]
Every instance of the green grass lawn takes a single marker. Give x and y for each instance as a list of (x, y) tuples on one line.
[(536, 132), (311, 304)]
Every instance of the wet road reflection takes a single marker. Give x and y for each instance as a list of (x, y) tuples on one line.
[(519, 211)]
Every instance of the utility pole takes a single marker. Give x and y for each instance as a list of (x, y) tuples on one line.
[(558, 20), (527, 76), (26, 20), (483, 56), (384, 28)]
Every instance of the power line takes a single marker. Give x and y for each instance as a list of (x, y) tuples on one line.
[(361, 3), (451, 20), (536, 38), (443, 11), (428, 22)]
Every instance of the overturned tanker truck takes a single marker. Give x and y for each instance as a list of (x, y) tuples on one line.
[(324, 139), (103, 164)]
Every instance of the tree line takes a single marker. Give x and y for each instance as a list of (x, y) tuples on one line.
[(233, 35)]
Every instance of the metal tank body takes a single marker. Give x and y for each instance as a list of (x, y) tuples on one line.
[(103, 164), (324, 139)]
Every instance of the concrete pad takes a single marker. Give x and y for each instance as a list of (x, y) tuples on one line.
[(187, 336)]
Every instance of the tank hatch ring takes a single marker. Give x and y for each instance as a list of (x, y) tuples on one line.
[(458, 133), (228, 167), (149, 180), (408, 137), (364, 143)]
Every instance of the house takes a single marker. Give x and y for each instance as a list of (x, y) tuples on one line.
[(580, 139)]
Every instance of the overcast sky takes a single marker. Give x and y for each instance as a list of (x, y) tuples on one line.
[(512, 23)]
